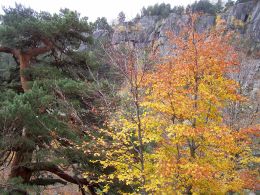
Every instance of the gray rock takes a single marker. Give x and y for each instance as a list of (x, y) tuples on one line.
[(137, 32), (241, 11), (205, 22), (243, 17), (254, 25)]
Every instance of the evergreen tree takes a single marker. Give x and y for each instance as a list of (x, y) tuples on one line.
[(229, 3), (204, 6), (46, 123), (243, 1), (121, 17), (178, 10), (102, 24), (162, 10), (219, 6)]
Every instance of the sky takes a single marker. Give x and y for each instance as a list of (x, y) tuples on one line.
[(93, 8)]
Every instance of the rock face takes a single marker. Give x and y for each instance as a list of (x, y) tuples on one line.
[(149, 28), (137, 31), (254, 26), (240, 11), (249, 80), (244, 17)]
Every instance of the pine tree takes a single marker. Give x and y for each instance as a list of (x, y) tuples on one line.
[(55, 112), (121, 17)]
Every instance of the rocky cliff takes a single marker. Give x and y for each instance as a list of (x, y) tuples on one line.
[(243, 17)]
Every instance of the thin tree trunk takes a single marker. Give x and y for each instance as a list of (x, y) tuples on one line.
[(191, 142), (140, 136)]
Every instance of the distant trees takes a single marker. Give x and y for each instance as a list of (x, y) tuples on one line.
[(229, 3), (162, 10), (204, 6), (101, 23), (178, 9), (219, 6), (243, 1), (121, 17)]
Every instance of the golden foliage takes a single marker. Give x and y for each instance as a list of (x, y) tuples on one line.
[(187, 146)]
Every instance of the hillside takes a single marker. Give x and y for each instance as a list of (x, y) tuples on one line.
[(167, 103)]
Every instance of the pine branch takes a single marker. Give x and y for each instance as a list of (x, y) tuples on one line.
[(46, 181), (7, 50), (46, 166), (41, 50)]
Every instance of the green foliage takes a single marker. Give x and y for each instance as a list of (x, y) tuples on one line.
[(58, 116), (229, 3), (163, 10), (26, 110), (243, 1), (23, 27), (16, 187), (8, 69), (218, 6), (178, 10), (102, 24), (204, 6), (45, 111)]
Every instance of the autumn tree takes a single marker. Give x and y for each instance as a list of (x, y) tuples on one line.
[(196, 152), (125, 139), (55, 109)]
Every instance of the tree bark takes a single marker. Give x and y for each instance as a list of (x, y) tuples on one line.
[(24, 60), (18, 168)]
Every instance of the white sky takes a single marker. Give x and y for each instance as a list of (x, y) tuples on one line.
[(93, 8)]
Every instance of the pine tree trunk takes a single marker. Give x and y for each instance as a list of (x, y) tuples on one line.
[(18, 167), (24, 60), (22, 157)]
